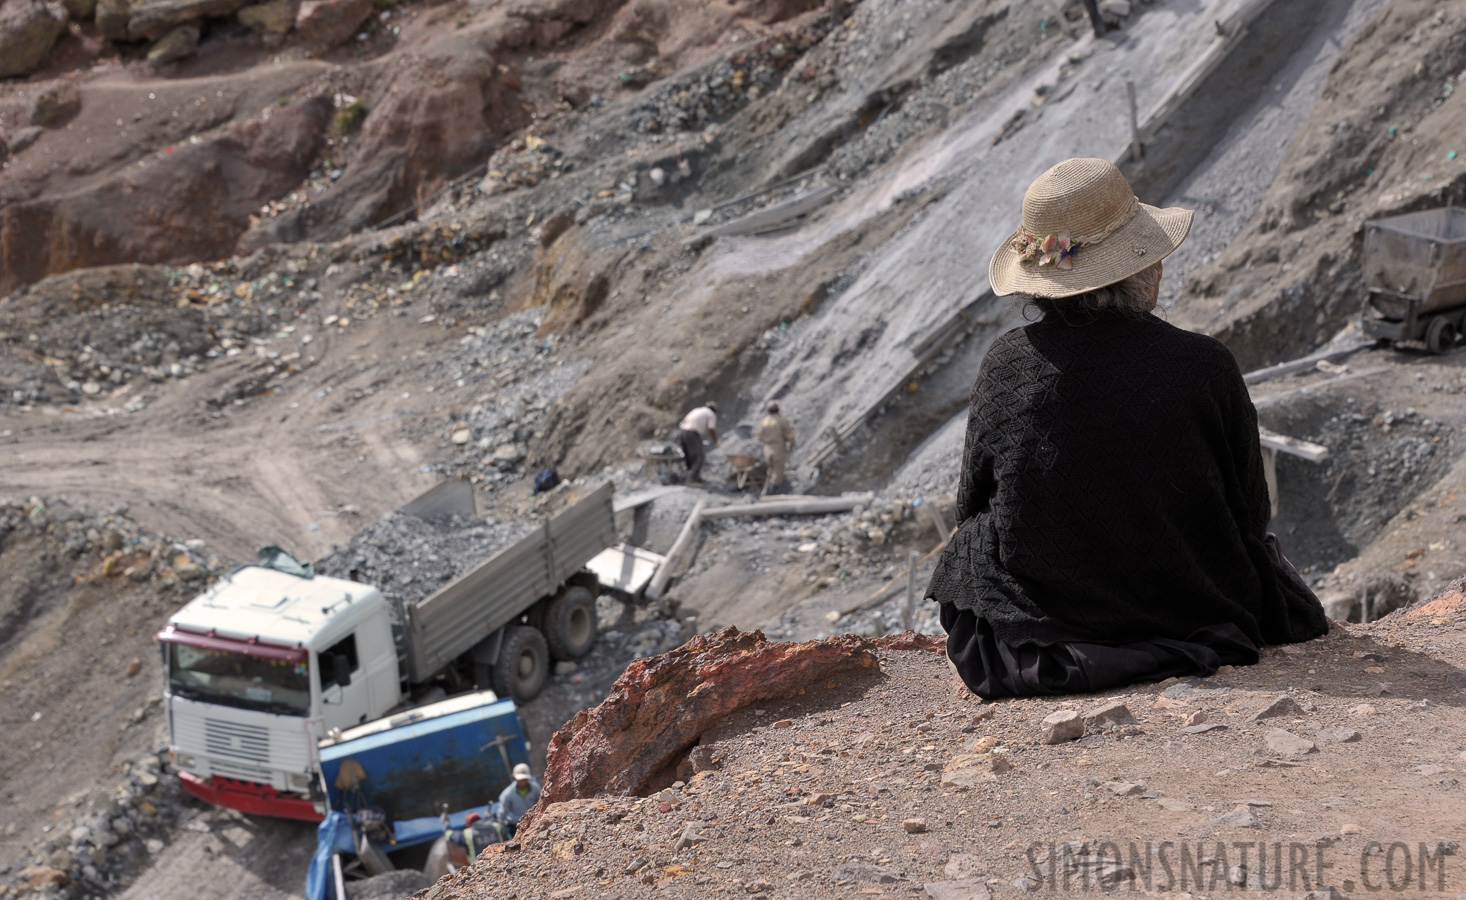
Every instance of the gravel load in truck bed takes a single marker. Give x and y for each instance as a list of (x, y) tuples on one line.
[(408, 558)]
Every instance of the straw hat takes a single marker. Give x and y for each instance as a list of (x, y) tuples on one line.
[(1083, 228)]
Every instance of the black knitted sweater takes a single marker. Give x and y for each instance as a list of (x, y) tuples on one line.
[(1112, 490)]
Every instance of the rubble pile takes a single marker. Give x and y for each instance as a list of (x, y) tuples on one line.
[(519, 377), (408, 558), (120, 547), (95, 844), (98, 329), (834, 547), (715, 93), (1378, 460)]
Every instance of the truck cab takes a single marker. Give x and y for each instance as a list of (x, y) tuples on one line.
[(260, 668)]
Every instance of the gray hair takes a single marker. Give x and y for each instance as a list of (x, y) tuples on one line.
[(1130, 296)]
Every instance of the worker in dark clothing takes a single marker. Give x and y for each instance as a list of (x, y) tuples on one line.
[(1095, 19), (1112, 502), (696, 425)]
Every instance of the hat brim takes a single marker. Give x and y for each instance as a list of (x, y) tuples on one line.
[(1151, 236)]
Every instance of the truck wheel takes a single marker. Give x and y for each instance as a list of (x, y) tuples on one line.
[(524, 663), (1440, 335), (570, 623)]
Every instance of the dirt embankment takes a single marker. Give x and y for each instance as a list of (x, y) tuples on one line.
[(884, 776), (283, 135)]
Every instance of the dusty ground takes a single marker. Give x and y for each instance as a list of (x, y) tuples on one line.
[(886, 785), (291, 395)]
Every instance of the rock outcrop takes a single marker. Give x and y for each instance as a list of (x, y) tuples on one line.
[(661, 706), (193, 203), (324, 24), (56, 105), (28, 29)]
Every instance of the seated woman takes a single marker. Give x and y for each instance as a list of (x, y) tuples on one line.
[(1113, 505)]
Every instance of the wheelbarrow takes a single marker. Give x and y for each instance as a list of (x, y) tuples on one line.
[(743, 465)]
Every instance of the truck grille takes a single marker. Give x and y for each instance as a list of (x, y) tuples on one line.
[(235, 741)]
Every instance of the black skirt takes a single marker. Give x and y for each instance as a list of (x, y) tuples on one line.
[(992, 669)]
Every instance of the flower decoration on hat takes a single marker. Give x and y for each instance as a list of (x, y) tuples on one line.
[(1055, 250)]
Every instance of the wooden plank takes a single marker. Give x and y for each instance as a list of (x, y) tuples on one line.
[(1303, 364), (804, 506), (1231, 32), (659, 581), (1314, 453), (774, 215)]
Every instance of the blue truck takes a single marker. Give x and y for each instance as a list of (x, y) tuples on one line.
[(391, 784)]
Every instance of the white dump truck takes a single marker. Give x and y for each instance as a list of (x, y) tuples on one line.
[(269, 662)]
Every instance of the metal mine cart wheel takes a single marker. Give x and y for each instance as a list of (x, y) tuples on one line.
[(1415, 271), (1441, 335)]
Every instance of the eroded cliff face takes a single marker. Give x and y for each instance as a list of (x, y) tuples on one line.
[(223, 144)]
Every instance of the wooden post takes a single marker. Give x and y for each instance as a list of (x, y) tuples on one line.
[(1136, 151), (659, 581), (790, 506), (908, 612), (938, 523)]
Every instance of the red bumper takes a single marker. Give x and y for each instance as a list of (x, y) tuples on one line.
[(248, 797)]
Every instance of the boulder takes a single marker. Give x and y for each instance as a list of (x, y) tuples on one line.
[(56, 105), (28, 29), (960, 889), (271, 20), (181, 42), (24, 137), (1287, 743), (327, 24), (662, 705), (112, 18), (1282, 706), (153, 19), (1107, 715), (1064, 725)]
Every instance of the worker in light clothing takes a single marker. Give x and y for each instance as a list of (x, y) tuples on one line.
[(777, 436), (518, 797), (696, 425)]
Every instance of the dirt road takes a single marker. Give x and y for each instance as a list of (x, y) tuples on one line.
[(280, 468)]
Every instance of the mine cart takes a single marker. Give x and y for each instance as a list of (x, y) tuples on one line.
[(1415, 270)]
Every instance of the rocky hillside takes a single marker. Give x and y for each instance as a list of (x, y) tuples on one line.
[(272, 269)]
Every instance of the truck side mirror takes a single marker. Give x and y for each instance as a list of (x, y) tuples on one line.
[(341, 669)]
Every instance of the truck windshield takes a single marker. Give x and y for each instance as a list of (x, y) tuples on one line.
[(235, 679)]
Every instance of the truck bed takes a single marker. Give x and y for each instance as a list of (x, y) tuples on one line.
[(455, 579), (408, 558)]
